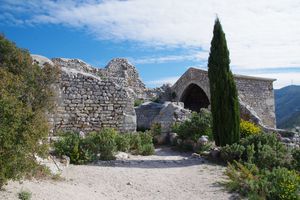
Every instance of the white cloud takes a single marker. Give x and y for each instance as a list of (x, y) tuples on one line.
[(198, 56), (282, 79), (260, 33), (166, 80)]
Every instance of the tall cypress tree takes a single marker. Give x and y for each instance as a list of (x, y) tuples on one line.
[(224, 97)]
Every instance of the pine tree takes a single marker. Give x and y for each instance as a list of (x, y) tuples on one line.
[(224, 97)]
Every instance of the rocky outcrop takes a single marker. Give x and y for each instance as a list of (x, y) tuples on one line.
[(165, 114)]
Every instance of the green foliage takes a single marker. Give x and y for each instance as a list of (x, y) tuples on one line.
[(296, 159), (123, 142), (232, 152), (141, 143), (24, 195), (147, 149), (248, 128), (264, 150), (103, 142), (250, 181), (269, 152), (135, 143), (155, 129), (138, 102), (79, 150), (224, 98), (198, 125), (25, 96)]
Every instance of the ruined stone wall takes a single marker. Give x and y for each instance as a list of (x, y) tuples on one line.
[(256, 93), (86, 102)]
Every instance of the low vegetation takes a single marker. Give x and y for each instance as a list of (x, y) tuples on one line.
[(248, 128), (24, 195), (262, 167), (191, 129), (102, 145)]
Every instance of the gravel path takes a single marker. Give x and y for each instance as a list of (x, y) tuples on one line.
[(166, 175)]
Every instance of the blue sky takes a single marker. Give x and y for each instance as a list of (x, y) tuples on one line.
[(162, 38)]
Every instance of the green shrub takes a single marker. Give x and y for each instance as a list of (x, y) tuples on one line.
[(138, 102), (269, 152), (296, 159), (155, 129), (105, 143), (141, 143), (147, 149), (24, 195), (247, 128), (79, 150), (198, 125), (25, 95), (249, 181), (123, 142), (232, 152), (135, 143), (146, 137)]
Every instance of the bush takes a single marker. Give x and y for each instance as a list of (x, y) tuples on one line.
[(138, 102), (269, 152), (105, 143), (247, 128), (155, 129), (198, 125), (264, 150), (296, 159), (248, 180), (135, 143), (25, 96), (24, 195), (232, 152), (79, 150), (147, 149), (123, 142)]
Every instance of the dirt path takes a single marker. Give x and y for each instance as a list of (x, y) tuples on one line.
[(166, 175)]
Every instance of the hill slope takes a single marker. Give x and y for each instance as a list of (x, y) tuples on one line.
[(287, 106)]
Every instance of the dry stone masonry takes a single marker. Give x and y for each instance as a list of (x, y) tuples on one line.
[(90, 98)]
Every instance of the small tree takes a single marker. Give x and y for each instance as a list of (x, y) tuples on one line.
[(25, 94), (224, 97)]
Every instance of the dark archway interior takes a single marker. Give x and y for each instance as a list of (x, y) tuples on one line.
[(194, 98)]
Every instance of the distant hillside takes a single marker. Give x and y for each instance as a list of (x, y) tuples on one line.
[(287, 102)]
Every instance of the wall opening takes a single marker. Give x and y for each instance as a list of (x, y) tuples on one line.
[(194, 98)]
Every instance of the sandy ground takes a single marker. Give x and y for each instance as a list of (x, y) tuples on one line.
[(166, 175)]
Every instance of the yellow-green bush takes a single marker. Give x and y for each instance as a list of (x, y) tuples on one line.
[(247, 128)]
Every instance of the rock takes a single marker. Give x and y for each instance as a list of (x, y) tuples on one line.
[(173, 138), (195, 155), (65, 160), (160, 139), (203, 140), (165, 114), (215, 152), (128, 183), (121, 156)]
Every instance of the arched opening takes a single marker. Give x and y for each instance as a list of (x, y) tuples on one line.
[(194, 98)]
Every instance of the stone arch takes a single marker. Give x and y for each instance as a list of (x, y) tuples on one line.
[(194, 98)]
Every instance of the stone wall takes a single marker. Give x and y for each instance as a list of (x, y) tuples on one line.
[(87, 102), (255, 93)]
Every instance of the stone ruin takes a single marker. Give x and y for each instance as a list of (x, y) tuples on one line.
[(89, 98)]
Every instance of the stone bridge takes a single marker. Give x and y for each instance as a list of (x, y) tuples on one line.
[(256, 95)]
